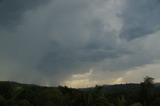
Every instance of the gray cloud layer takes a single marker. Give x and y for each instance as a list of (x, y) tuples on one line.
[(12, 11), (65, 37), (140, 18)]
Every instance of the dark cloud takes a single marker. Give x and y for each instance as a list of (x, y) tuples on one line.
[(72, 36), (12, 11), (140, 18)]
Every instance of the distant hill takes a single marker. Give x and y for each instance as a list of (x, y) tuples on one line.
[(107, 87), (18, 84), (121, 87)]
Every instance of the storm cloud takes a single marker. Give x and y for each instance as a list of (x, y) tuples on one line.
[(12, 12), (140, 18), (49, 41)]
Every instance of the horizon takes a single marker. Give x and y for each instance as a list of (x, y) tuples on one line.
[(78, 87), (79, 43)]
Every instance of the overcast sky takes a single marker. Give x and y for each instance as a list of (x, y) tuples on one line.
[(79, 43)]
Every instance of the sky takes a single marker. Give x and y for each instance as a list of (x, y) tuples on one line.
[(79, 43)]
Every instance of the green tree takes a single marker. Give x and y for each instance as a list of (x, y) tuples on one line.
[(23, 102), (121, 101), (148, 82), (146, 90), (102, 101), (156, 102), (137, 104), (2, 101)]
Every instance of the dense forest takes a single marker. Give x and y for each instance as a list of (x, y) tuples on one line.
[(144, 94)]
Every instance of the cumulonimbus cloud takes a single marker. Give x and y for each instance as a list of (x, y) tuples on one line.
[(66, 37)]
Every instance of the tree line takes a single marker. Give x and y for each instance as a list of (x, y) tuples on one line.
[(144, 94)]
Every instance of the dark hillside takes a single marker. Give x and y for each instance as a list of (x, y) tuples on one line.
[(17, 94)]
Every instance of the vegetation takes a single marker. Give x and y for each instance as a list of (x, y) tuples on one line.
[(144, 94)]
